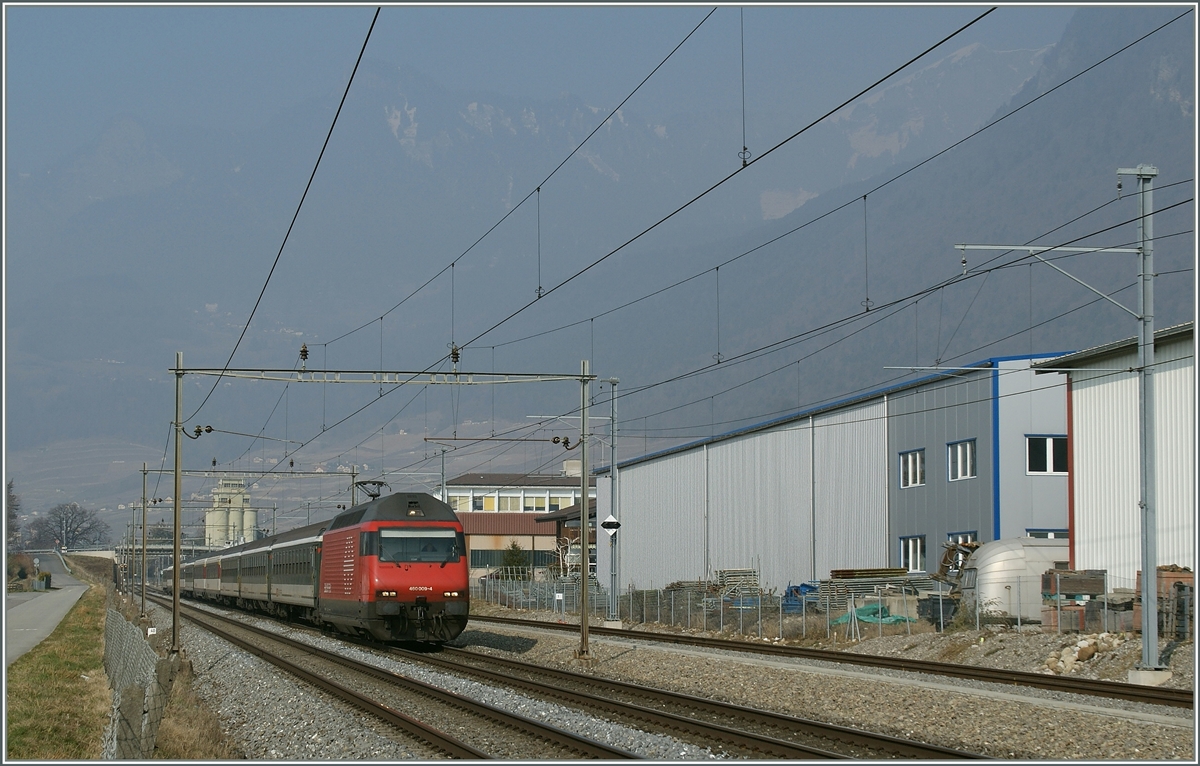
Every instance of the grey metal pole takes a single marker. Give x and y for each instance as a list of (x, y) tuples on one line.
[(445, 497), (178, 502), (1148, 501), (612, 504), (353, 485), (584, 563), (143, 614)]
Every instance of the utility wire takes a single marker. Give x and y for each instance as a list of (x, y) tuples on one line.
[(719, 183), (296, 215), (538, 188), (889, 181)]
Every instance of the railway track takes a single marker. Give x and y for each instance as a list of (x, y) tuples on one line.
[(740, 731), (493, 733), (1132, 692)]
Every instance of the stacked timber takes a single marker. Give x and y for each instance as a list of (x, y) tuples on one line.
[(833, 594)]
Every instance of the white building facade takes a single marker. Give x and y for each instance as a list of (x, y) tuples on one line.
[(1105, 519), (879, 480)]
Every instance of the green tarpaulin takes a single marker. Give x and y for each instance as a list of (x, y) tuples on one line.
[(871, 614)]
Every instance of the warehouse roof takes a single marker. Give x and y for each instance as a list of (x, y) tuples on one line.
[(1108, 349), (516, 480), (986, 364)]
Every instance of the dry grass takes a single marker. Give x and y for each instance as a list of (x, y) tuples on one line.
[(189, 730), (94, 568), (59, 703), (58, 699)]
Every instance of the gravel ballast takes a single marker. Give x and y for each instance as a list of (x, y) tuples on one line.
[(273, 717)]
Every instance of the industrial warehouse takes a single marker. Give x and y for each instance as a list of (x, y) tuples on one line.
[(1003, 450)]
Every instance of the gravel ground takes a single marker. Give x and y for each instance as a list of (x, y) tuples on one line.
[(272, 717), (995, 720)]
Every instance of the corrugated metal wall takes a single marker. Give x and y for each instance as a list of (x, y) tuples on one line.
[(748, 502), (759, 509), (1029, 404), (930, 418), (663, 520), (1105, 435), (850, 483)]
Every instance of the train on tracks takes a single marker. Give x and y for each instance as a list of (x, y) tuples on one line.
[(393, 569)]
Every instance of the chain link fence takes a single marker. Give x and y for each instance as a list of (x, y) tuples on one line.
[(141, 681)]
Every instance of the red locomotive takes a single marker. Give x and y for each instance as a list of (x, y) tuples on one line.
[(394, 568)]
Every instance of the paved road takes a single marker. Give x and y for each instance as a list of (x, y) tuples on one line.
[(30, 617)]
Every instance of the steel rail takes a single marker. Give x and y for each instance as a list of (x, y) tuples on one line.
[(1130, 692), (453, 747), (758, 743), (427, 734)]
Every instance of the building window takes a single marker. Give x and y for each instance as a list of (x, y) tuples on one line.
[(558, 503), (535, 504), (912, 468), (961, 460), (1051, 534), (508, 503), (912, 553), (477, 503), (460, 503), (1046, 454), (961, 538)]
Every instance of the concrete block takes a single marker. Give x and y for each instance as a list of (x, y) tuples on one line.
[(1149, 677)]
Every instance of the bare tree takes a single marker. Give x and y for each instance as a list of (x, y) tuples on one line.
[(68, 525), (12, 502)]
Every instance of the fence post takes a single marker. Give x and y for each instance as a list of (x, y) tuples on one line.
[(879, 595), (941, 611), (689, 610), (1058, 600), (907, 622), (1105, 600), (1018, 603), (803, 615), (827, 602)]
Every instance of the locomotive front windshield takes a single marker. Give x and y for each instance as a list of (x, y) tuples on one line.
[(439, 546)]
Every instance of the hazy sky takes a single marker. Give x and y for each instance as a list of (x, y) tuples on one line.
[(70, 70)]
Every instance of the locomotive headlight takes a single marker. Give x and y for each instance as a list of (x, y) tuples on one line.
[(387, 593), (451, 594)]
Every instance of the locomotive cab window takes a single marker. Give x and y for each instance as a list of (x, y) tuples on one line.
[(417, 545)]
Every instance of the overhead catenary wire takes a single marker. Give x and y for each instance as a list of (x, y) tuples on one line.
[(295, 216), (722, 181), (931, 158), (537, 189)]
